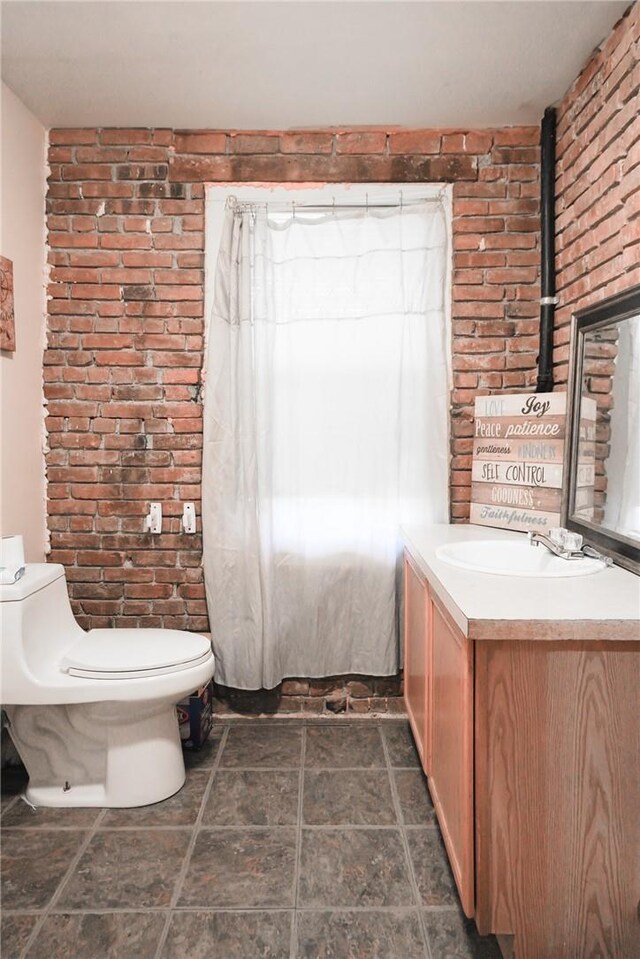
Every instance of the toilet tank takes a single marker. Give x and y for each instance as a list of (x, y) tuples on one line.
[(36, 626)]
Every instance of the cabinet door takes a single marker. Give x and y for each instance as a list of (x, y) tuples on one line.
[(416, 678), (451, 774)]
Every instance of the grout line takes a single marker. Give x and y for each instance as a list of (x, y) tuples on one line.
[(222, 827), (22, 912), (155, 910), (293, 948), (328, 769), (63, 882), (417, 826), (143, 827), (182, 875), (302, 719), (407, 853), (308, 827)]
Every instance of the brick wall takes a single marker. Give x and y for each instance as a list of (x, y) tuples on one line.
[(598, 181), (598, 210), (125, 214)]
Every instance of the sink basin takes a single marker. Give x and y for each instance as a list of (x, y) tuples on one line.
[(505, 558)]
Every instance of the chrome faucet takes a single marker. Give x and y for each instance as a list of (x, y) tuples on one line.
[(567, 545)]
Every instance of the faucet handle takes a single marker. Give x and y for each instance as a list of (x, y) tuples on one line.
[(565, 538), (558, 535), (573, 541)]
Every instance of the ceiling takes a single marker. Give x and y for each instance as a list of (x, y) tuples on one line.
[(278, 65)]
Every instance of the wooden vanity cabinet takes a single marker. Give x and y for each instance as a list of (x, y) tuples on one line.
[(532, 753), (439, 702)]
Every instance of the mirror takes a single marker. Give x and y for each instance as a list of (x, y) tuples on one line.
[(603, 489)]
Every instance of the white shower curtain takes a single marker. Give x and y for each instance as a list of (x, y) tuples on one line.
[(325, 429)]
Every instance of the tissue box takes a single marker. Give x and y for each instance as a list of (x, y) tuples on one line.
[(195, 717)]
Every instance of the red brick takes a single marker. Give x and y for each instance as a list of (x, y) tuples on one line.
[(172, 242), (517, 136), (254, 143), (361, 142), (72, 240), (106, 190), (118, 358), (180, 376), (146, 259), (475, 142), (97, 154), (126, 137), (101, 341), (87, 171), (163, 137), (162, 224), (118, 241), (99, 558), (84, 224), (513, 274), (470, 207), (189, 261), (60, 155), (74, 275), (177, 276), (479, 225), (183, 292), (478, 293), (193, 222), (185, 169), (72, 137), (415, 142), (95, 291), (200, 142), (306, 142), (453, 143)]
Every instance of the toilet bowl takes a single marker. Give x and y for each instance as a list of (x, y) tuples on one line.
[(92, 714)]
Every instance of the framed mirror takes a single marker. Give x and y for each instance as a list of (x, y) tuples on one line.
[(602, 481)]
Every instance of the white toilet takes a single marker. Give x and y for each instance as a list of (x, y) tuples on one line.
[(92, 714)]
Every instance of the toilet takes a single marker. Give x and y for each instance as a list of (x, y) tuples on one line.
[(92, 714)]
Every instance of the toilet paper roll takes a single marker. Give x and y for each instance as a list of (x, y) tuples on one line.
[(11, 559)]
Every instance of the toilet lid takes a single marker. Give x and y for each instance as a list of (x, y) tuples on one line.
[(132, 653)]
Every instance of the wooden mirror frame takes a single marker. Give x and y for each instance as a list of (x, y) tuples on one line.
[(624, 550)]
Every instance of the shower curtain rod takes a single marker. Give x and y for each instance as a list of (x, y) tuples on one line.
[(293, 206)]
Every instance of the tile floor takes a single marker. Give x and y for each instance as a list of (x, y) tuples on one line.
[(290, 840)]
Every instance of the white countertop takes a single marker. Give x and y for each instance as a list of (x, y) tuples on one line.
[(601, 606)]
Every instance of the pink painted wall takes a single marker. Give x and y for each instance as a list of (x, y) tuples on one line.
[(22, 219)]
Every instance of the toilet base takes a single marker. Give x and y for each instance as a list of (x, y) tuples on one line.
[(110, 754)]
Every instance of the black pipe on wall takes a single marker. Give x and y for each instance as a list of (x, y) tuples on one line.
[(544, 383)]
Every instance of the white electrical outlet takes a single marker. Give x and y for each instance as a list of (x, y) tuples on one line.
[(189, 518), (153, 520)]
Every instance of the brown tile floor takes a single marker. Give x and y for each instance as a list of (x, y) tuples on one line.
[(290, 840)]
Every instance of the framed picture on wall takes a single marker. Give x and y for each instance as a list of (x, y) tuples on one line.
[(7, 316)]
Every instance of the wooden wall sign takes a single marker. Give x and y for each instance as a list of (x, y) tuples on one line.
[(7, 318), (518, 460)]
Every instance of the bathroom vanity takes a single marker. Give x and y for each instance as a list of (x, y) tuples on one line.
[(523, 694)]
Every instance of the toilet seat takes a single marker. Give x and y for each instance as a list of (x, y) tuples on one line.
[(134, 653)]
